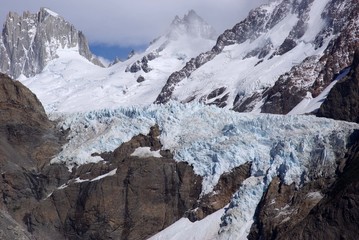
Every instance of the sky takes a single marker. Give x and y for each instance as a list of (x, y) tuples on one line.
[(115, 27)]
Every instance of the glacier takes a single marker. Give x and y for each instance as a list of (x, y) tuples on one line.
[(213, 140)]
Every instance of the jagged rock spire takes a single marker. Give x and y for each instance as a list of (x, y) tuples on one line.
[(30, 41)]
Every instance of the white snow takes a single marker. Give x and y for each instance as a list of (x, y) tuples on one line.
[(238, 218), (63, 186), (205, 229), (79, 180), (52, 13), (230, 70), (110, 173), (315, 22), (144, 152), (70, 83)]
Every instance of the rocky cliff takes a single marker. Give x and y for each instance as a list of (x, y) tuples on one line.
[(342, 101), (326, 208), (27, 143), (30, 41)]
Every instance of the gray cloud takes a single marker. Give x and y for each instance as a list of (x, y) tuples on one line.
[(129, 23)]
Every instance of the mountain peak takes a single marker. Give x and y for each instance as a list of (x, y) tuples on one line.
[(192, 16), (192, 25), (30, 41)]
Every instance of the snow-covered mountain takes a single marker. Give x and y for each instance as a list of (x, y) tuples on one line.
[(282, 52), (29, 42), (68, 82), (112, 165)]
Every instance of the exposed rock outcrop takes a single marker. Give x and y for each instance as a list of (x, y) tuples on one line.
[(325, 208), (143, 63), (27, 143), (30, 41), (342, 102), (337, 214), (222, 193)]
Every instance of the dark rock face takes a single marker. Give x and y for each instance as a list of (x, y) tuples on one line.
[(283, 206), (27, 143), (342, 102), (216, 93), (28, 138), (143, 63), (29, 41), (337, 214), (140, 79), (222, 194), (10, 229), (325, 208), (143, 196)]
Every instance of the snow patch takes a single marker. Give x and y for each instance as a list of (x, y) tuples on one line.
[(145, 152), (79, 180), (111, 173), (52, 13), (206, 228), (63, 186)]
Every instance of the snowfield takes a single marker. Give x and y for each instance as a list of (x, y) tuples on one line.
[(70, 83), (214, 141)]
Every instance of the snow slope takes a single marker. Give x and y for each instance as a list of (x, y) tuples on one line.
[(214, 141), (71, 83), (243, 71), (206, 228)]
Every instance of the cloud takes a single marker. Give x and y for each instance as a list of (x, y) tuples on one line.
[(135, 22)]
